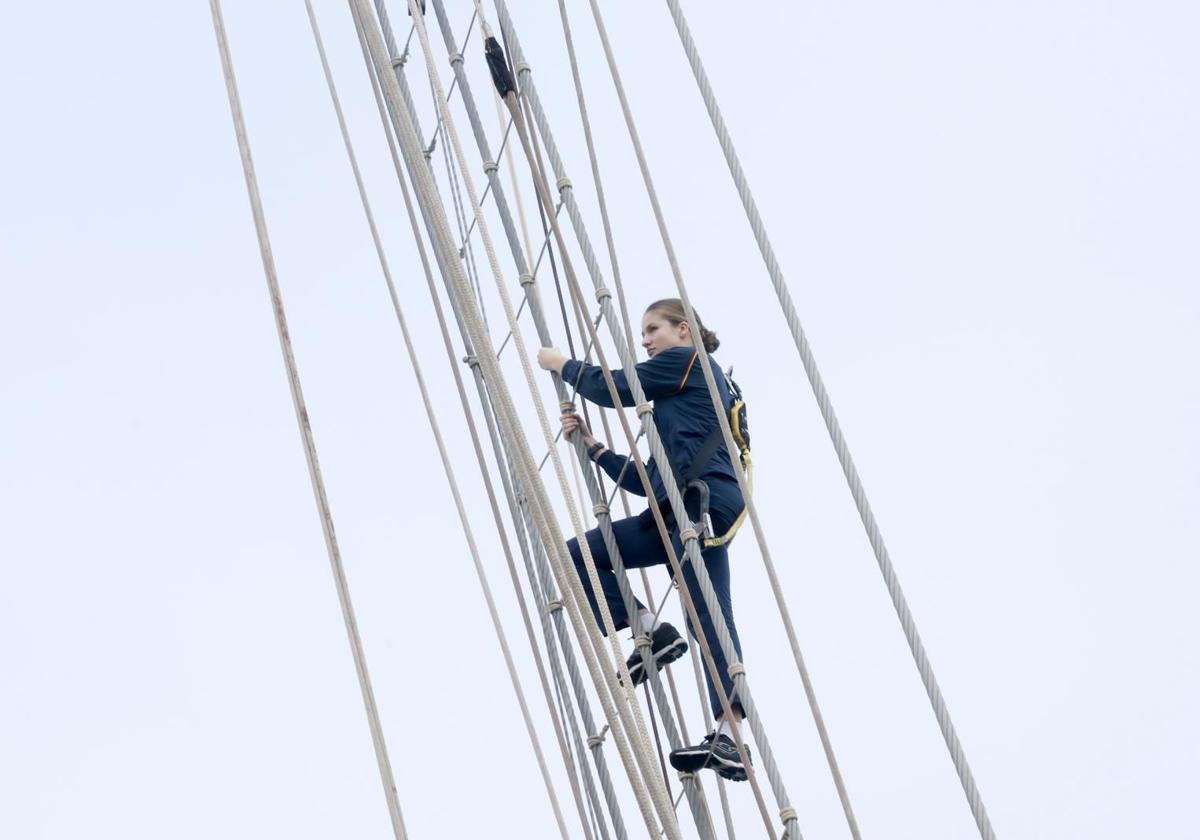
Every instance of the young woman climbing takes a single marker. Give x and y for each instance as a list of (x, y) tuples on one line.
[(683, 412)]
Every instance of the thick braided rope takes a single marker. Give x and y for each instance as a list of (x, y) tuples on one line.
[(643, 412), (507, 411), (658, 793), (703, 820), (696, 800), (549, 574), (754, 720), (444, 249), (882, 557), (310, 448), (451, 480), (518, 511)]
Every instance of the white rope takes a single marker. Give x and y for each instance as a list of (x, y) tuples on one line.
[(450, 477), (310, 448), (539, 504), (882, 557), (641, 750), (724, 639)]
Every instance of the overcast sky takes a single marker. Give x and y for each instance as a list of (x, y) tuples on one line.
[(987, 214)]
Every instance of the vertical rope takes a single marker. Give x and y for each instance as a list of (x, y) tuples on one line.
[(310, 448)]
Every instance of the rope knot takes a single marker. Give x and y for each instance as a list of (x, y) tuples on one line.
[(688, 535), (554, 606), (522, 67), (643, 409), (399, 61), (489, 166), (787, 815), (456, 58), (471, 361), (737, 669), (566, 407), (594, 741), (563, 183), (600, 509), (603, 294), (526, 280), (643, 642), (683, 777)]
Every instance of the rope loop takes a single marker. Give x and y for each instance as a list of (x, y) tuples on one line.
[(737, 669), (600, 509), (489, 166), (787, 815), (643, 409), (594, 741), (456, 58), (563, 183), (526, 280), (603, 294)]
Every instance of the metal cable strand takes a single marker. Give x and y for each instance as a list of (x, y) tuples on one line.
[(437, 224), (596, 492), (787, 813), (520, 525), (606, 309), (449, 471), (658, 794), (882, 557), (302, 420)]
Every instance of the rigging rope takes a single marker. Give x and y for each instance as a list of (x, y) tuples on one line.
[(437, 224), (310, 448), (866, 514), (449, 471)]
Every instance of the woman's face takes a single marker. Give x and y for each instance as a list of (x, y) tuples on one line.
[(659, 334)]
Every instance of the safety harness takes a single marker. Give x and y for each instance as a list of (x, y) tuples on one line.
[(740, 427)]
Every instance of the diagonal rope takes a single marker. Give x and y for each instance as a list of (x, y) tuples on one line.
[(450, 477), (544, 573), (866, 514), (626, 690), (539, 503), (310, 448)]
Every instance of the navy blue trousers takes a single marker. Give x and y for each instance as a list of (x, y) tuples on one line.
[(641, 546)]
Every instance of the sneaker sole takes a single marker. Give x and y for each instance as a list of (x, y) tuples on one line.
[(663, 658)]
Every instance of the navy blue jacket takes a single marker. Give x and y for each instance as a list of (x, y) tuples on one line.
[(683, 413)]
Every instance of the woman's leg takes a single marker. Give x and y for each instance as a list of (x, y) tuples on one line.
[(716, 562), (639, 547)]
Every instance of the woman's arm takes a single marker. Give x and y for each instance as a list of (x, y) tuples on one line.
[(619, 467), (661, 376)]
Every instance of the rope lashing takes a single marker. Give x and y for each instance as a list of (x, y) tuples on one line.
[(603, 294), (490, 166), (563, 183), (471, 361), (643, 642), (787, 814), (526, 280), (736, 670), (598, 739), (567, 407), (554, 606), (643, 409), (456, 58), (600, 509), (688, 534), (399, 61)]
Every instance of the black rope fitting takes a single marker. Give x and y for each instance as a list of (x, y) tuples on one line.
[(501, 76)]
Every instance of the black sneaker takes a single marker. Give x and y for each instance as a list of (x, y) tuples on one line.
[(666, 645), (719, 753)]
